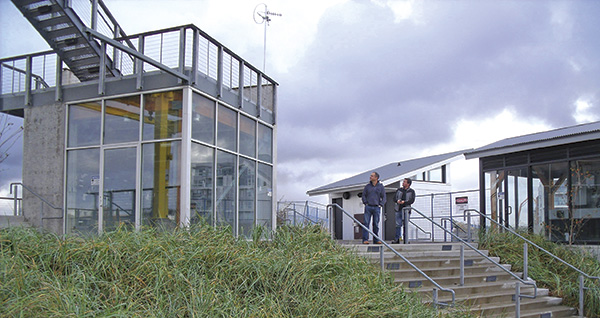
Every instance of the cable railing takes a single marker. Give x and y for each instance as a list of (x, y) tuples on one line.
[(518, 294), (381, 259), (582, 275)]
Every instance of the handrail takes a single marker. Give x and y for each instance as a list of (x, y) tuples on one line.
[(435, 301), (452, 222), (36, 77), (418, 227), (41, 199), (583, 274), (526, 282)]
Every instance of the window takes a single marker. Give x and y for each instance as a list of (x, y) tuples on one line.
[(162, 115), (247, 136), (203, 119), (84, 124), (201, 187), (227, 128), (265, 143), (122, 120)]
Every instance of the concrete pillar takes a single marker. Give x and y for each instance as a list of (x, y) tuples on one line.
[(43, 165)]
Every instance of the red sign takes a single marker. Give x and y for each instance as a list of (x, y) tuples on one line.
[(461, 200)]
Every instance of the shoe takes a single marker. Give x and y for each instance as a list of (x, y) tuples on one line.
[(396, 242), (365, 242), (377, 242)]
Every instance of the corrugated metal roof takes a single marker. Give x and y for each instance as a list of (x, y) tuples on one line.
[(582, 132), (386, 172)]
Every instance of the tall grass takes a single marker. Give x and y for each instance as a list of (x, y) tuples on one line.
[(199, 272), (561, 280)]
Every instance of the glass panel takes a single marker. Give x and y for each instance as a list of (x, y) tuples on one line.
[(161, 184), (435, 175), (201, 189), (119, 188), (226, 171), (517, 198), (265, 143), (585, 192), (227, 128), (247, 136), (83, 180), (162, 115), (84, 124), (264, 215), (552, 198), (203, 119), (495, 195), (122, 120), (247, 196)]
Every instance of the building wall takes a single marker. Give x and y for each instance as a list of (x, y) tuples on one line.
[(43, 165)]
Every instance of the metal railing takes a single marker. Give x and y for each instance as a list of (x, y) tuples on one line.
[(381, 259), (518, 294), (185, 52), (307, 211), (44, 201), (582, 274)]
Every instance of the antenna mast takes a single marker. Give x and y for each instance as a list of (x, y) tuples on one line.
[(262, 17)]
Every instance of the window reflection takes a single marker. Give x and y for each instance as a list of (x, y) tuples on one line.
[(247, 195), (201, 187), (264, 214), (122, 119), (247, 136), (585, 193), (226, 129), (161, 184), (265, 143), (84, 124), (203, 119), (119, 188), (226, 189), (162, 115), (83, 181)]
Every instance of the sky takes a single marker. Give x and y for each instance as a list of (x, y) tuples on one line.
[(366, 83)]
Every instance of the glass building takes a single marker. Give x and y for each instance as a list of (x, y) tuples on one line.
[(174, 130), (547, 183)]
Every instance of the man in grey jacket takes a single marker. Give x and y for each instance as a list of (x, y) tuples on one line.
[(373, 197), (404, 197)]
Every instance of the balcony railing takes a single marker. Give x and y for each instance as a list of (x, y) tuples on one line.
[(185, 52)]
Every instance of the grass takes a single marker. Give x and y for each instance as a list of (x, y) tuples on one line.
[(200, 272), (561, 280)]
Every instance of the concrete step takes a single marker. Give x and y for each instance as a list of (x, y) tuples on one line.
[(454, 280), (440, 271)]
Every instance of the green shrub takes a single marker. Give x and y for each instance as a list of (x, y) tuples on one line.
[(197, 272), (560, 279)]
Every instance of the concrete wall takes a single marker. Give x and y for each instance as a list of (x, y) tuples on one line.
[(43, 165)]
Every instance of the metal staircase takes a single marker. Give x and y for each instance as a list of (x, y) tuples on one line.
[(61, 27)]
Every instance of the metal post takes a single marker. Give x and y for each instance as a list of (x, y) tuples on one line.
[(518, 300), (462, 265), (58, 93), (28, 80), (525, 261), (102, 73), (15, 211), (381, 258), (94, 18), (469, 234), (581, 288), (405, 220), (435, 298), (139, 64)]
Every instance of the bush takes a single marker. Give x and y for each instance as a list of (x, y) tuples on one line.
[(197, 272), (560, 279)]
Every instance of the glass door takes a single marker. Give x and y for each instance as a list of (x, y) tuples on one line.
[(119, 188)]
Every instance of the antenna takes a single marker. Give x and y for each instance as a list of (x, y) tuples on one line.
[(261, 16)]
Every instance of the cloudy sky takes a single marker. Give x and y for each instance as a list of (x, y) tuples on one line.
[(365, 83)]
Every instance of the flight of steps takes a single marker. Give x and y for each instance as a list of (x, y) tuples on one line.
[(488, 291)]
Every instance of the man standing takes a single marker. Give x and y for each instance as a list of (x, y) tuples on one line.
[(373, 197), (405, 196)]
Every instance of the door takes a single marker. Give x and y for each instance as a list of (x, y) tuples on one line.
[(119, 188), (338, 219)]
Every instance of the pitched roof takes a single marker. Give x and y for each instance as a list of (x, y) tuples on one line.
[(387, 172), (560, 136)]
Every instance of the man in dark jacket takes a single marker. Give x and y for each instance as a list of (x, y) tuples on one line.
[(373, 197), (405, 196)]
